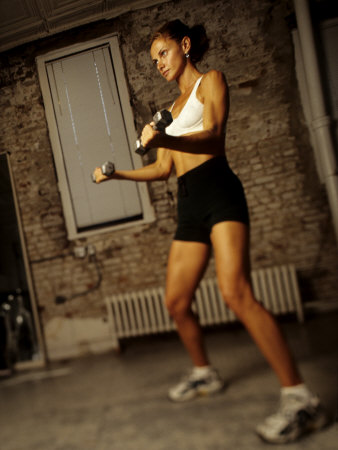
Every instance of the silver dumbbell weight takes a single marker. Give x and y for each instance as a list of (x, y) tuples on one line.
[(161, 120), (107, 168)]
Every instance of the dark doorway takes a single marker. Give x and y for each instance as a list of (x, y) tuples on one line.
[(18, 323)]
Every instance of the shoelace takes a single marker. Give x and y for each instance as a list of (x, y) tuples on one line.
[(190, 377), (289, 405)]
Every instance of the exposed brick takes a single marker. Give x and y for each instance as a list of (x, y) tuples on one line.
[(268, 147)]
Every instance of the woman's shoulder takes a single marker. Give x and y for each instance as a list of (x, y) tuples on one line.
[(212, 82), (213, 76)]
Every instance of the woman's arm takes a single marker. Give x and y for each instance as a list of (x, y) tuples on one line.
[(159, 170), (214, 94)]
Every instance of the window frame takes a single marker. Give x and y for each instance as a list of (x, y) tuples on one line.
[(148, 211)]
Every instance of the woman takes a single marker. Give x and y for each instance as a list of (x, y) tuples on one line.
[(212, 212)]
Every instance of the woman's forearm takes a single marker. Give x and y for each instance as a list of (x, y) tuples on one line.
[(151, 172), (146, 173)]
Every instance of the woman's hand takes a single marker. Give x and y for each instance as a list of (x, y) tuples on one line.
[(98, 175), (150, 138)]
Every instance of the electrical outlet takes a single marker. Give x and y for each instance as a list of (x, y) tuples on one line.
[(79, 252)]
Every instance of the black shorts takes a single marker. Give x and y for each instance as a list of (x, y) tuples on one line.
[(208, 194)]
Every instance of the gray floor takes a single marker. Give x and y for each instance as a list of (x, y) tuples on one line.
[(110, 402)]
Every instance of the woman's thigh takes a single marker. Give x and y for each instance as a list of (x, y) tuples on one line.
[(186, 265)]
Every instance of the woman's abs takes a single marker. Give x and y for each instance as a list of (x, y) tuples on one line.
[(188, 161)]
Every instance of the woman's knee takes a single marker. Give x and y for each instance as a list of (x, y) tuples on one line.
[(238, 296), (177, 307)]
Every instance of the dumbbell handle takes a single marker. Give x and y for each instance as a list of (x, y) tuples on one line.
[(107, 168), (161, 120)]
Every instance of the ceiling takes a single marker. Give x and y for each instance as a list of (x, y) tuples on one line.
[(22, 21)]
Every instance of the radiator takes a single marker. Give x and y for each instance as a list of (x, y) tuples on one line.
[(143, 312)]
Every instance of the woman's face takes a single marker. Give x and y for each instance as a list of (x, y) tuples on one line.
[(168, 57)]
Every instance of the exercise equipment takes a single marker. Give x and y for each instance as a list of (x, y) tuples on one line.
[(161, 120), (107, 168)]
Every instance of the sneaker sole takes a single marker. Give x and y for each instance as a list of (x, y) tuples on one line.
[(197, 393), (214, 391), (316, 425)]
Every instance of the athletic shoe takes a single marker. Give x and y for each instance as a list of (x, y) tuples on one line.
[(192, 386), (296, 416)]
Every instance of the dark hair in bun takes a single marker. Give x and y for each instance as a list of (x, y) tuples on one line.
[(177, 30)]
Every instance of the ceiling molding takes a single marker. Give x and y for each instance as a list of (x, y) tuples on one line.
[(23, 21)]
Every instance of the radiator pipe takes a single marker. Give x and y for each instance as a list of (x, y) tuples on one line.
[(321, 121)]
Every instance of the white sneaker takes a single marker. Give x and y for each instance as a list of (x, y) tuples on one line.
[(192, 386), (296, 416)]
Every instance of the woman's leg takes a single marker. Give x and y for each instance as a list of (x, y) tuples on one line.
[(231, 247), (186, 265)]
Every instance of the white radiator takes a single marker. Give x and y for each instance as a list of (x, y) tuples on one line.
[(143, 312)]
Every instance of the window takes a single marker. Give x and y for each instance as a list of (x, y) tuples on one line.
[(90, 121)]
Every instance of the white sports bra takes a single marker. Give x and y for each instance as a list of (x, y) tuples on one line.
[(190, 119)]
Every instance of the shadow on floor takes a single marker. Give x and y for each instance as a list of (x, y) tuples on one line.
[(118, 402)]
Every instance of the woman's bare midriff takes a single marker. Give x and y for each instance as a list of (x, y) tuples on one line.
[(187, 161)]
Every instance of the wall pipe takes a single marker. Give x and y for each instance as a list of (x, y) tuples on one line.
[(321, 121)]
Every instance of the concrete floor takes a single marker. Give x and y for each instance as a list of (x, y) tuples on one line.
[(110, 402)]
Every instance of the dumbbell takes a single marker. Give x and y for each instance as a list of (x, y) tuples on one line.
[(161, 120), (108, 168)]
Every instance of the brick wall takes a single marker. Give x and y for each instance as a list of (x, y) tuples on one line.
[(267, 145)]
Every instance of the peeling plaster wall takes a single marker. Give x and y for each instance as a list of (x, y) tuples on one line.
[(267, 146)]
